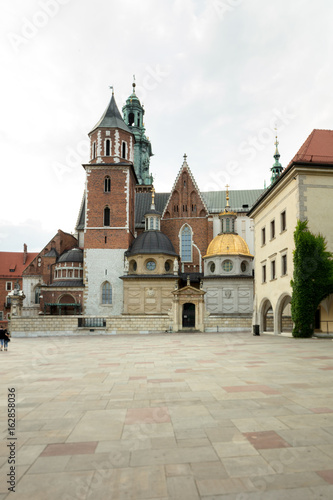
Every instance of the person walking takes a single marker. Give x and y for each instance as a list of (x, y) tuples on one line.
[(4, 339)]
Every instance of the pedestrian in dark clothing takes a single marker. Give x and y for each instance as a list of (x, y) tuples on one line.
[(4, 339)]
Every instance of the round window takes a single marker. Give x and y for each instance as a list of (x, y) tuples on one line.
[(167, 266), (227, 266), (151, 265), (135, 266), (212, 267), (243, 267)]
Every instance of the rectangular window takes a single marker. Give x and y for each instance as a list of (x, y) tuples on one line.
[(263, 236), (9, 286), (273, 274), (272, 229), (264, 274), (283, 221), (1, 316), (284, 265)]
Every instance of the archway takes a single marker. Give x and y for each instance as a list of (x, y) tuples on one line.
[(283, 315), (188, 315), (324, 315), (266, 316), (66, 305)]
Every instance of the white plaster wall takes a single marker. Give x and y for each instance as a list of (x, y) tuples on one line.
[(100, 266), (29, 284)]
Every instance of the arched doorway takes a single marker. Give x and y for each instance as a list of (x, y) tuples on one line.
[(66, 304), (266, 317), (283, 311), (188, 315)]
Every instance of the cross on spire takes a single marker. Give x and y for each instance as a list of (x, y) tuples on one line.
[(227, 195)]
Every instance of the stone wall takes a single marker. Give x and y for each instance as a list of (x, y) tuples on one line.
[(43, 326)]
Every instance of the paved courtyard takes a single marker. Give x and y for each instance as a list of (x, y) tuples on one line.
[(184, 417)]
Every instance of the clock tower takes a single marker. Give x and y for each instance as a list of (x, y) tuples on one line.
[(109, 202)]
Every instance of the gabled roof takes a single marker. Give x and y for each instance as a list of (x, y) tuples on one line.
[(318, 148), (239, 199), (14, 260), (111, 118), (184, 167), (143, 203)]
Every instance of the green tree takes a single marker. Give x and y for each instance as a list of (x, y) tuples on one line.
[(312, 279)]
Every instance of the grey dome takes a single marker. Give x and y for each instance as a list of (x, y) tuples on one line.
[(73, 255), (151, 242)]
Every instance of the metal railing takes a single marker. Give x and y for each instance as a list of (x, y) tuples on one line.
[(91, 322)]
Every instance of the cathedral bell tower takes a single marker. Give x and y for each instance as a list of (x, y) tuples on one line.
[(133, 113), (109, 221)]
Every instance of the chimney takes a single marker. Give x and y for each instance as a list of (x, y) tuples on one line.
[(25, 251)]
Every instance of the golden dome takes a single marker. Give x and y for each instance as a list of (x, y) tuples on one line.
[(228, 244)]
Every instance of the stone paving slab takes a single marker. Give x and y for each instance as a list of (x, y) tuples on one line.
[(159, 417)]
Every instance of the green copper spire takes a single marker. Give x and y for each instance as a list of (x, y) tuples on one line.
[(277, 167), (133, 113)]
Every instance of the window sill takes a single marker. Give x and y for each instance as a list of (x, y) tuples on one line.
[(283, 231), (273, 279)]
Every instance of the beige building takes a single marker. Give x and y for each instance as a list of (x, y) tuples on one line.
[(303, 190)]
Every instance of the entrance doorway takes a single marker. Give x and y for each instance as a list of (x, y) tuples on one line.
[(188, 315)]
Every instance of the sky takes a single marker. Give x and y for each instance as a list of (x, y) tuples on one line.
[(216, 78)]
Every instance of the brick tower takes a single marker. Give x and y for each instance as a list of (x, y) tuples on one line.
[(109, 220)]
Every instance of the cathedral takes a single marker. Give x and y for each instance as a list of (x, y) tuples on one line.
[(186, 254)]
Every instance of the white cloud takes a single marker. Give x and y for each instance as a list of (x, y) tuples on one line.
[(210, 74)]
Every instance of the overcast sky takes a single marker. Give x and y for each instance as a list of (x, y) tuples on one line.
[(215, 77)]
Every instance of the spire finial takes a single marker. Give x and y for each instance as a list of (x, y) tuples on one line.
[(185, 157), (133, 84), (277, 167), (227, 196), (153, 196), (111, 87)]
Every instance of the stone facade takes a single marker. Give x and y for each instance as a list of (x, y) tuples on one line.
[(103, 266), (43, 326), (229, 296)]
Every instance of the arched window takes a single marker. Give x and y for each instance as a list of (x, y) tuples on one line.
[(138, 120), (186, 244), (151, 223), (106, 293), (124, 150), (106, 221), (37, 295), (107, 147), (107, 184), (131, 119)]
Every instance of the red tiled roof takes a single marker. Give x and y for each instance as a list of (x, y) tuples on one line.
[(318, 148), (14, 260)]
